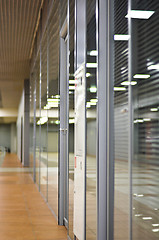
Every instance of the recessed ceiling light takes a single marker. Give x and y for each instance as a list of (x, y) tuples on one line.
[(155, 230), (93, 89), (141, 76), (147, 119), (126, 83), (71, 87), (88, 74), (139, 14), (153, 67), (72, 81), (119, 88), (147, 218), (154, 109), (91, 65), (121, 37), (93, 53)]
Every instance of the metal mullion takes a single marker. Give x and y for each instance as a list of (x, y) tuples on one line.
[(130, 121), (105, 166)]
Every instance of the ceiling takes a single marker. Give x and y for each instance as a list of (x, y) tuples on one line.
[(18, 20)]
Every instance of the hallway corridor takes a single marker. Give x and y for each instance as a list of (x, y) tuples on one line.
[(23, 212)]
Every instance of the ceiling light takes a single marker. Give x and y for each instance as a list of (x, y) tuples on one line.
[(70, 92), (138, 215), (155, 225), (147, 218), (119, 88), (147, 119), (71, 121), (42, 120), (93, 89), (139, 14), (154, 109), (93, 53), (141, 76), (57, 122), (94, 100), (126, 83), (88, 74), (153, 67), (71, 87), (91, 65), (155, 230), (53, 100), (93, 103), (121, 37), (72, 81), (47, 107)]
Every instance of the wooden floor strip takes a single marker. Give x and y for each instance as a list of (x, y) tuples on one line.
[(24, 215)]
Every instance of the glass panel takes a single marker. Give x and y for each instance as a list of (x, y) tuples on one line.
[(121, 127), (37, 142), (44, 117), (71, 120), (52, 105), (31, 160), (145, 71), (91, 99)]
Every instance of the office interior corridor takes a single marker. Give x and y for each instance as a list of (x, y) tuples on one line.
[(24, 215)]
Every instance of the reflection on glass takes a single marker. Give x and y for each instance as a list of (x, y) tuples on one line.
[(43, 119), (52, 104), (71, 121), (31, 157), (145, 59), (37, 142), (121, 85), (91, 103)]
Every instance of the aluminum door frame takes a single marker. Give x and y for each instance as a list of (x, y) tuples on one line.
[(64, 124), (105, 149)]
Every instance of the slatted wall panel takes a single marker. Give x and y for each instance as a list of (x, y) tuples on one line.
[(121, 74)]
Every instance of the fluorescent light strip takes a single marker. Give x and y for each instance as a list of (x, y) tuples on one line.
[(126, 83), (53, 100), (71, 87), (121, 37), (139, 14), (91, 65), (155, 230), (94, 100), (155, 225), (72, 81), (141, 76), (147, 119), (93, 53), (153, 67), (93, 89), (147, 218), (119, 88), (154, 109), (88, 74)]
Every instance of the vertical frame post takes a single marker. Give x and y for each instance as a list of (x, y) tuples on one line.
[(105, 168), (130, 121)]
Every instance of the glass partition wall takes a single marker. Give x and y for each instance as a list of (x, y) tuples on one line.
[(145, 73), (91, 116), (136, 107), (121, 122)]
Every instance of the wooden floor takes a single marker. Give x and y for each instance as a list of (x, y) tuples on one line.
[(23, 212)]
